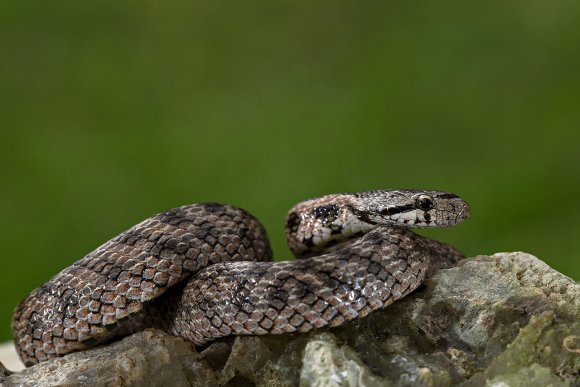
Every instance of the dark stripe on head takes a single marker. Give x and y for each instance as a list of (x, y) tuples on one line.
[(447, 196), (397, 209), (362, 215)]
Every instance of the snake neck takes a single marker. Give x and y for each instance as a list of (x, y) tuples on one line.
[(321, 224)]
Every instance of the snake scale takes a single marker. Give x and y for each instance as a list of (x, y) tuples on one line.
[(211, 263)]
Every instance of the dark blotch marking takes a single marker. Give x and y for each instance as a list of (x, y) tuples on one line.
[(293, 222), (326, 212), (308, 242), (447, 196)]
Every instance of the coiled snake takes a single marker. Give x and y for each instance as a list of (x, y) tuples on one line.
[(357, 256)]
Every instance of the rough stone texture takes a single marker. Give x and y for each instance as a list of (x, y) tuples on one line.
[(325, 360), (149, 357), (501, 320), (3, 374)]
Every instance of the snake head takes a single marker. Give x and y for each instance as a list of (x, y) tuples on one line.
[(410, 208)]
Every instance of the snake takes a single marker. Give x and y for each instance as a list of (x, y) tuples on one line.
[(205, 271)]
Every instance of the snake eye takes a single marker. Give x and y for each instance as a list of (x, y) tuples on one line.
[(425, 202)]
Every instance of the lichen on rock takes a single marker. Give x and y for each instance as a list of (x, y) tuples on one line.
[(501, 320)]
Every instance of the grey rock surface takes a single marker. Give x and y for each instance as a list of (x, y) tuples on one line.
[(3, 374), (149, 356), (501, 320)]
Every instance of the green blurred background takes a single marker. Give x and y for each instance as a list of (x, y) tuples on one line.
[(112, 111)]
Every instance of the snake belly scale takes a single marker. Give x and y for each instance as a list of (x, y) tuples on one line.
[(204, 271)]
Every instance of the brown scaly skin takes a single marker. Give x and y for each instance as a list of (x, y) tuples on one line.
[(81, 305), (233, 288)]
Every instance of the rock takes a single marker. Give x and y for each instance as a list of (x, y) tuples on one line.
[(150, 357), (325, 362), (501, 320), (3, 375)]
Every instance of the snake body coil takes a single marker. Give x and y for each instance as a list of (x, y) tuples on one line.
[(357, 256)]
